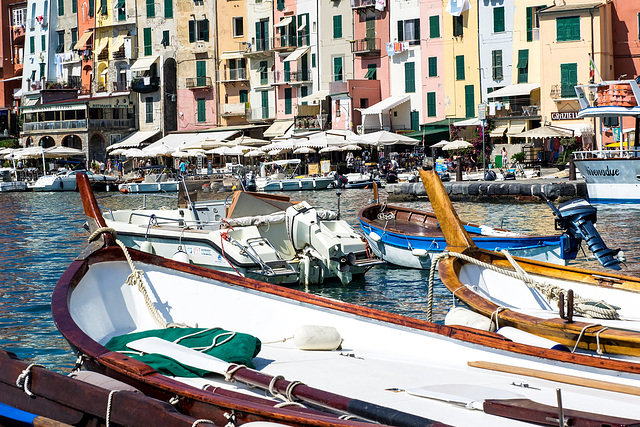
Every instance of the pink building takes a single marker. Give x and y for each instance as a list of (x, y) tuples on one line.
[(285, 41), (432, 45)]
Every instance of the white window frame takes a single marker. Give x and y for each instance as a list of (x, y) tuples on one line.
[(19, 16)]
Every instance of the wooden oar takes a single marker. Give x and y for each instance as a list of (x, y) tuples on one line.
[(450, 224), (302, 392), (15, 416)]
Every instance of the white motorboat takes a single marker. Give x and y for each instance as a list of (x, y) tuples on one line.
[(152, 183), (65, 180), (9, 181), (284, 177), (255, 235)]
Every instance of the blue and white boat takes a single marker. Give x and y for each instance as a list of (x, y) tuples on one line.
[(284, 177)]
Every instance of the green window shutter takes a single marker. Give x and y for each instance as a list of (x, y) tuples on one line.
[(202, 110), (469, 101), (460, 67), (287, 71), (304, 91), (192, 31), (288, 109), (431, 104), (416, 30), (244, 96), (74, 6), (264, 77), (498, 19), (205, 30), (568, 28), (91, 7), (201, 73), (372, 72), (168, 8), (103, 7), (337, 69), (74, 37), (151, 9), (457, 26), (148, 48), (337, 27), (568, 79), (258, 37), (523, 66), (434, 27), (43, 42), (265, 104), (529, 24), (280, 5), (313, 60), (400, 31), (60, 7), (165, 38), (433, 66), (415, 121), (409, 77), (42, 70), (122, 12), (496, 63), (32, 44), (148, 109)]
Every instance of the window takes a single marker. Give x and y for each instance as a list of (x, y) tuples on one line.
[(303, 29), (460, 67), (33, 15), (433, 66), (168, 8), (434, 27), (264, 104), (409, 31), (337, 69), (148, 104), (91, 5), (199, 30), (60, 47), (103, 7), (287, 71), (201, 73), (74, 38), (148, 46), (337, 27), (32, 44), (496, 65), (43, 42), (568, 28), (151, 9), (409, 77), (122, 11), (280, 5), (313, 60), (244, 96), (523, 66), (238, 26), (469, 101), (201, 105), (74, 6), (431, 104), (264, 76), (568, 80), (372, 72), (498, 19), (166, 38), (18, 16), (288, 108), (457, 26), (533, 23), (60, 7), (42, 70), (304, 91)]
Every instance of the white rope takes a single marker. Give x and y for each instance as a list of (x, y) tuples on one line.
[(289, 391), (228, 375), (202, 421), (109, 403), (136, 276), (24, 379)]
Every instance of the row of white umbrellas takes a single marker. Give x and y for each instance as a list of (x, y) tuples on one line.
[(57, 152)]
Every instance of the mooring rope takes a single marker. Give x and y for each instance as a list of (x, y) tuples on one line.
[(24, 379), (582, 306)]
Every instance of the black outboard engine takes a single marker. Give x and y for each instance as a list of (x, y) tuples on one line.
[(341, 181), (250, 182), (577, 217), (392, 177)]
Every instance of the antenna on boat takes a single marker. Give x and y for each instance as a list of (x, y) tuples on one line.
[(338, 193)]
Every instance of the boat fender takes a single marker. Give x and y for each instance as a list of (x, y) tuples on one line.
[(523, 337), (464, 317), (181, 256), (147, 247), (375, 236), (314, 337), (102, 381), (420, 253)]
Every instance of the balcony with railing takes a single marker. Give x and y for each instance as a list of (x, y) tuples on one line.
[(202, 82), (237, 109), (262, 113), (362, 4), (258, 47), (230, 75), (563, 93), (111, 123), (55, 125), (72, 83), (285, 43), (292, 77), (369, 46), (145, 84)]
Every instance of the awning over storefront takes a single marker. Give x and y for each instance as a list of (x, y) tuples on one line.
[(514, 90), (297, 54), (278, 128), (385, 105), (232, 55), (469, 122), (516, 128), (82, 42), (499, 131), (143, 64), (29, 102), (579, 129), (134, 140), (283, 23), (611, 111), (53, 107), (320, 95)]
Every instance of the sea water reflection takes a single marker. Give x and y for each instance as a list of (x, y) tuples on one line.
[(41, 234)]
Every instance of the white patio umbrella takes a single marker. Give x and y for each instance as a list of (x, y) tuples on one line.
[(159, 150), (134, 152), (60, 152), (383, 137), (247, 140), (351, 147), (457, 145), (304, 150), (275, 151), (5, 150), (254, 153), (279, 145), (117, 151), (190, 153), (440, 144), (330, 148)]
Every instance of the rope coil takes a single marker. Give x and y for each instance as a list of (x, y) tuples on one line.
[(24, 379)]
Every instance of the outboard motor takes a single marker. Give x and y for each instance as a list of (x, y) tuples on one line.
[(392, 177), (341, 181), (250, 182), (577, 218)]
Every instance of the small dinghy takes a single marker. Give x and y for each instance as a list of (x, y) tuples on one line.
[(232, 350), (582, 309)]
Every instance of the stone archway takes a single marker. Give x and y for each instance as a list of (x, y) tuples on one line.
[(97, 148), (72, 141), (29, 141), (47, 142)]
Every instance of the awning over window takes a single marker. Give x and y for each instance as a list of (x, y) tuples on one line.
[(514, 90), (499, 131), (82, 42), (516, 128), (134, 140), (118, 42), (315, 96), (286, 21), (278, 128), (55, 107), (302, 27), (144, 63), (385, 105), (103, 44), (296, 54), (232, 55)]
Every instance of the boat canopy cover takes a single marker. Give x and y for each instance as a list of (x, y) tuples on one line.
[(283, 162), (232, 347)]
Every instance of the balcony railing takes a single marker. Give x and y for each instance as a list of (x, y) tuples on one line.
[(298, 76), (232, 74), (236, 109), (258, 47), (111, 123), (55, 125), (361, 4), (74, 82), (201, 82), (563, 92), (119, 54), (366, 46), (285, 42), (146, 84), (262, 113)]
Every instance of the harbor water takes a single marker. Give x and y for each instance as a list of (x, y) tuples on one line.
[(41, 234)]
